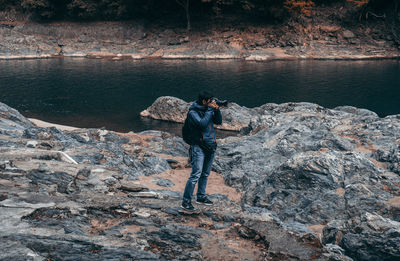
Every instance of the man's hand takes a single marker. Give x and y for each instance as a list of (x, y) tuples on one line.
[(214, 105)]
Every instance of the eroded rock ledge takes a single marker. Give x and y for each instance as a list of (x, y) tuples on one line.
[(305, 183), (133, 40)]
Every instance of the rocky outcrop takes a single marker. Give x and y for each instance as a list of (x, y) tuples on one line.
[(327, 169), (316, 183), (95, 194), (336, 169)]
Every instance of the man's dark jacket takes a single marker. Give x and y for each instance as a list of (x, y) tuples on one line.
[(204, 118)]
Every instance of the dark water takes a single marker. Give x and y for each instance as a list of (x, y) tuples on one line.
[(111, 94)]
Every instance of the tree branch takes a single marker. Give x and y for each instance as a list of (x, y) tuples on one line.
[(377, 16), (181, 3)]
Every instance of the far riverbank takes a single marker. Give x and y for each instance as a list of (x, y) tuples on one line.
[(135, 40)]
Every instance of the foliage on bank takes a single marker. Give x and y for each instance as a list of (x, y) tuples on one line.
[(187, 9)]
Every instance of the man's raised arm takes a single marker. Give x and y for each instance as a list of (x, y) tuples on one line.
[(202, 123)]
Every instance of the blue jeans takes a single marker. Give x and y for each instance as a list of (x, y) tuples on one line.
[(201, 166)]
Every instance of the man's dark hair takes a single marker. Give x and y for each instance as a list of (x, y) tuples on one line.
[(204, 95)]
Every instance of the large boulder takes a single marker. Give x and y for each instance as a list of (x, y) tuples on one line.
[(168, 108)]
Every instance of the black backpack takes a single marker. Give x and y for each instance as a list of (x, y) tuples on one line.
[(190, 134)]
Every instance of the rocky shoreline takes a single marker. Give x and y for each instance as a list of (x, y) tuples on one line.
[(301, 182), (333, 170), (133, 40)]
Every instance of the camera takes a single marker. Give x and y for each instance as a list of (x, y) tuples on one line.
[(220, 103)]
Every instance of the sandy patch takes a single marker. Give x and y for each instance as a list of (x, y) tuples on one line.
[(231, 248), (379, 164), (133, 229), (215, 185), (340, 191), (365, 148), (395, 202), (225, 244), (6, 183), (317, 230), (43, 124)]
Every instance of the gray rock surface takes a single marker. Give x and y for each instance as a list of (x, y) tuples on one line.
[(96, 208), (314, 166), (316, 184)]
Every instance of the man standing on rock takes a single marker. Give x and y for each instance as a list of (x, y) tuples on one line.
[(202, 116)]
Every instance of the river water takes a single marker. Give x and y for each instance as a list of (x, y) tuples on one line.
[(106, 93)]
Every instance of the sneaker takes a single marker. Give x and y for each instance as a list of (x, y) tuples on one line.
[(204, 201), (188, 206)]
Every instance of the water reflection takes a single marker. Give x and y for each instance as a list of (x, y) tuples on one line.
[(111, 94)]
